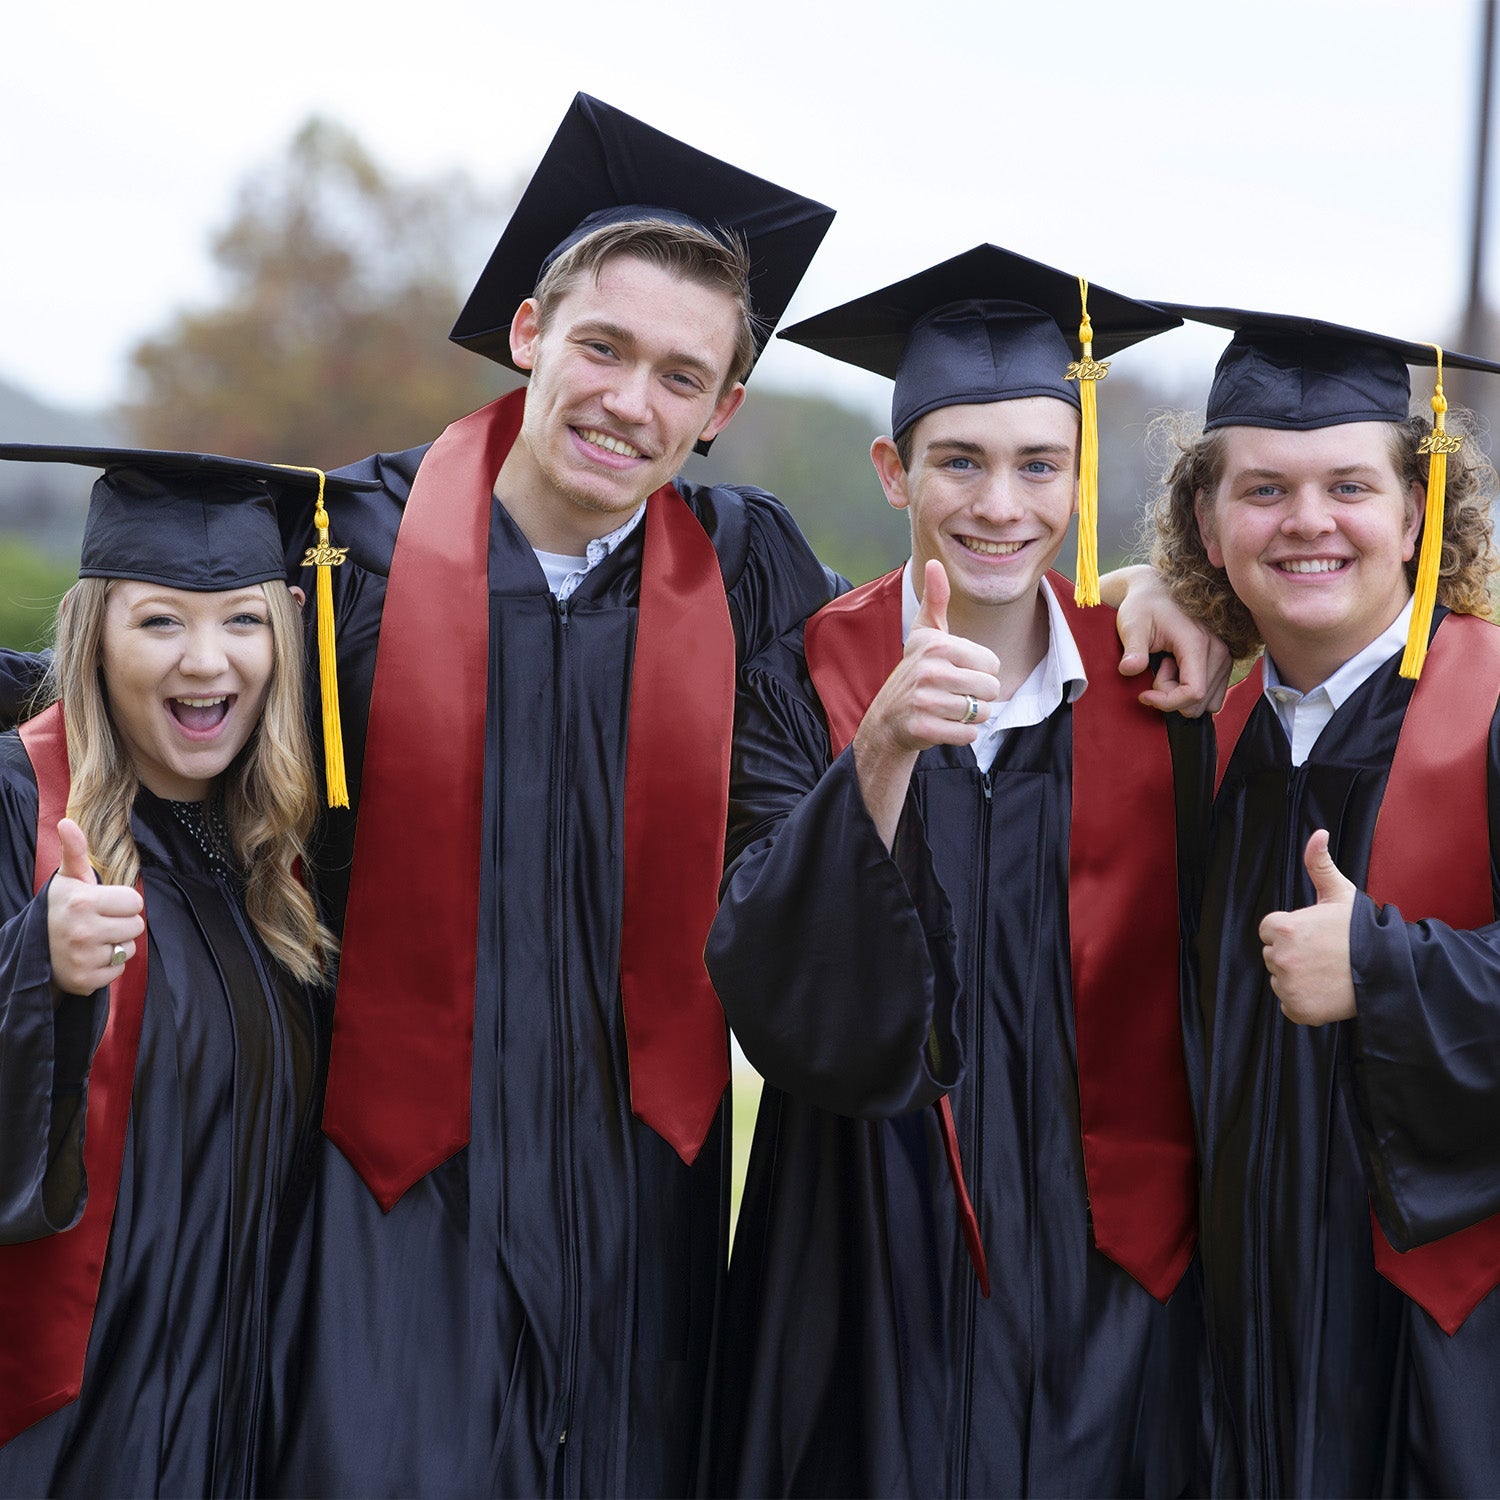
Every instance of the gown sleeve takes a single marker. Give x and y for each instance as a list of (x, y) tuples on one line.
[(21, 674), (44, 1048), (1427, 1060), (835, 959)]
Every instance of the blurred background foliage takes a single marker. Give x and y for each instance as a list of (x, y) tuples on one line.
[(339, 281)]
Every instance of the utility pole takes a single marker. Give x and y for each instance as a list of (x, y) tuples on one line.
[(1475, 313)]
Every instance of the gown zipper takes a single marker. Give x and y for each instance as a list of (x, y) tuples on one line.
[(972, 1147), (1285, 896), (562, 1041)]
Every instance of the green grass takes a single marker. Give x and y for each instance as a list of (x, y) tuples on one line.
[(746, 1086)]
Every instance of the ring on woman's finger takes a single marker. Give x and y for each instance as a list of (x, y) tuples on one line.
[(971, 709), (117, 955)]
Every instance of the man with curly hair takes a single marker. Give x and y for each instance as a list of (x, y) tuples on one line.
[(1343, 1000)]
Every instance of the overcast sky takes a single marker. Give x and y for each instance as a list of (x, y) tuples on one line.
[(1296, 155)]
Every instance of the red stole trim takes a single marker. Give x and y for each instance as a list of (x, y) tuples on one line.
[(49, 1287), (401, 1068), (852, 645), (1230, 721), (1139, 1147), (1434, 866), (676, 808), (1136, 1122)]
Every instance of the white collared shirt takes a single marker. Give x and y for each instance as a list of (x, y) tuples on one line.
[(1304, 716), (1058, 675), (564, 573)]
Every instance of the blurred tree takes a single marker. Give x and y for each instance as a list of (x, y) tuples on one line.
[(331, 341), (341, 284)]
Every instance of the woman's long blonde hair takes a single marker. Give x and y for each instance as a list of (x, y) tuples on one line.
[(270, 796)]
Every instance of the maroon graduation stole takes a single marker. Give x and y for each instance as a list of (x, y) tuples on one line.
[(1136, 1122), (1433, 866), (49, 1287), (401, 1067)]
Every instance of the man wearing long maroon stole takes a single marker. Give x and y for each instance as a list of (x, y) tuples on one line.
[(949, 941), (521, 1236), (1344, 1003)]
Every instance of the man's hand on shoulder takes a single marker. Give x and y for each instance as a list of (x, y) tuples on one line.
[(1195, 674)]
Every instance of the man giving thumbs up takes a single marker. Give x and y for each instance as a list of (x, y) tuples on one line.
[(948, 940), (1351, 1171)]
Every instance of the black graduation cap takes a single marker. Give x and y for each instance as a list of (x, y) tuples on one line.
[(991, 325), (605, 167), (1298, 373), (193, 521), (987, 325)]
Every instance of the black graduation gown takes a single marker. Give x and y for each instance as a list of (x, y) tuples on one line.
[(535, 1315), (859, 1357), (1329, 1380), (214, 1178)]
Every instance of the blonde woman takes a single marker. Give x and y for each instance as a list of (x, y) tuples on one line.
[(163, 1010)]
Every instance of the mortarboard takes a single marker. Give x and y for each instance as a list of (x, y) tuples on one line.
[(1299, 374), (205, 523), (605, 167), (991, 325), (1302, 373)]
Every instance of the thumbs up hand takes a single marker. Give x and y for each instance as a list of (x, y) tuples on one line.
[(940, 693), (932, 613), (1307, 951), (91, 928), (943, 688)]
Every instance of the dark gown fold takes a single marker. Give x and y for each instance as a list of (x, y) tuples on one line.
[(1329, 1380), (858, 1357), (534, 1316), (182, 1357), (21, 674)]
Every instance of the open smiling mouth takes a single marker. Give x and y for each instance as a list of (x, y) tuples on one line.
[(990, 549), (609, 444), (1314, 565), (199, 715)]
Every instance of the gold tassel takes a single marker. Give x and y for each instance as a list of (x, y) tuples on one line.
[(1086, 371), (325, 558), (1437, 445)]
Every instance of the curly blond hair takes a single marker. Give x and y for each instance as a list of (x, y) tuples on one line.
[(270, 796), (1191, 462)]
